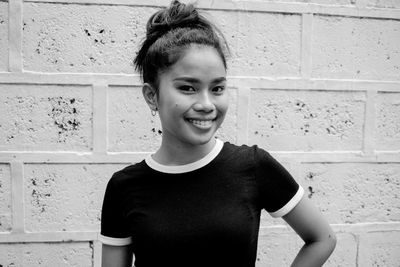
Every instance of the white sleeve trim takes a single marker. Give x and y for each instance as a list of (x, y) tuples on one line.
[(114, 241), (290, 205)]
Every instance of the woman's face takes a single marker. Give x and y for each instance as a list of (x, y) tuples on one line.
[(193, 100)]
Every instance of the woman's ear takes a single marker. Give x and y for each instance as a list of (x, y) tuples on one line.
[(150, 95)]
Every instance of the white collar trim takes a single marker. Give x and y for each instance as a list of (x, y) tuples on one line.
[(186, 167)]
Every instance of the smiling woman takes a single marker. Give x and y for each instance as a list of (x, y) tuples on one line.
[(192, 103), (197, 200)]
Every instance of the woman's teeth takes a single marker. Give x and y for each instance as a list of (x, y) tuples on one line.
[(202, 123)]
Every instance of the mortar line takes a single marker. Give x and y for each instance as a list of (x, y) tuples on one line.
[(97, 249), (243, 115), (92, 236), (369, 124), (17, 196), (100, 106), (306, 45), (355, 229), (15, 35), (40, 237), (129, 157), (357, 237), (282, 83), (243, 91)]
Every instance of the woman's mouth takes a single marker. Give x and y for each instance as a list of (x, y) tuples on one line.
[(202, 124)]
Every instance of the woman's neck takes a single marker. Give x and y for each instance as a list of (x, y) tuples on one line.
[(183, 154)]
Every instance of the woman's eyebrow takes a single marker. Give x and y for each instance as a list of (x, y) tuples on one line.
[(220, 79), (195, 80), (187, 79)]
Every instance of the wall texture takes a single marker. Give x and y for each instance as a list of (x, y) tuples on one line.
[(315, 82)]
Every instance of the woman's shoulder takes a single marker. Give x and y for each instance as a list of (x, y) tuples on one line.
[(243, 152), (248, 154), (128, 173), (244, 148)]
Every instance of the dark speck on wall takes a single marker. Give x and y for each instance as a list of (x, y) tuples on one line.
[(311, 192), (87, 32)]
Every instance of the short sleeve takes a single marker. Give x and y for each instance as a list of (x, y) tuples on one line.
[(279, 192), (114, 230)]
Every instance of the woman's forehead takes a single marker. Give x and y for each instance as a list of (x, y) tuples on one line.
[(203, 60)]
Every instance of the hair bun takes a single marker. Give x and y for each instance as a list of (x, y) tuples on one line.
[(178, 15)]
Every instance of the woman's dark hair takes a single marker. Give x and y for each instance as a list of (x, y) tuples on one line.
[(168, 32)]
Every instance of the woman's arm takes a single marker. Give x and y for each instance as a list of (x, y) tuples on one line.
[(315, 231), (116, 256)]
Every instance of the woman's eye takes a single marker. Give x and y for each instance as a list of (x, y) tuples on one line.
[(218, 89), (186, 88)]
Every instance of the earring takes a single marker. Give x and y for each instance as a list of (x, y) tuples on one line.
[(153, 112)]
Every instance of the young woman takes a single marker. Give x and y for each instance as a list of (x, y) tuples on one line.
[(197, 200)]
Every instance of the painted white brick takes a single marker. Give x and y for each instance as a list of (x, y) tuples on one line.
[(323, 2), (380, 249), (5, 198), (354, 192), (228, 23), (3, 36), (345, 253), (306, 120), (65, 197), (268, 44), (45, 117), (82, 38), (382, 3), (387, 129), (277, 249), (46, 254), (131, 126), (356, 48)]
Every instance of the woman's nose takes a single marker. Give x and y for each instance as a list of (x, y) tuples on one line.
[(204, 103)]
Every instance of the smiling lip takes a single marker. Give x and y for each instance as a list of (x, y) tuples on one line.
[(201, 123)]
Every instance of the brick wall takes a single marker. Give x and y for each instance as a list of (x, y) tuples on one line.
[(315, 82)]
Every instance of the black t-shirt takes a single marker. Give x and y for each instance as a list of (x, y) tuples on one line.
[(205, 213)]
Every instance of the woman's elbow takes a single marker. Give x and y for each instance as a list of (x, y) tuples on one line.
[(326, 243), (331, 242)]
